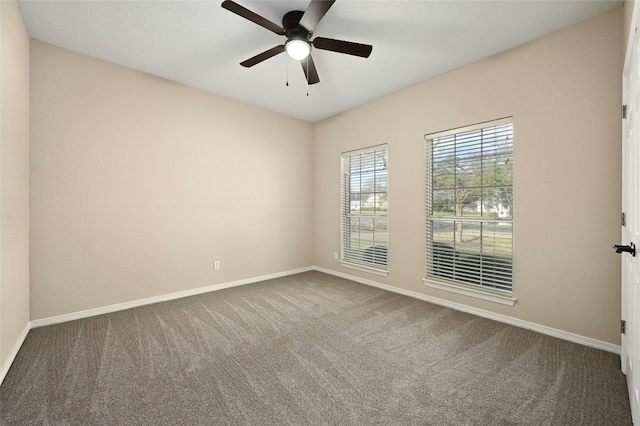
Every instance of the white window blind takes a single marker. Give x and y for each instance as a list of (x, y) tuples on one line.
[(470, 206), (364, 208)]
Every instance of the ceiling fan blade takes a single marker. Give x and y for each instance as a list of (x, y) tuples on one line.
[(252, 16), (314, 13), (310, 71), (263, 56), (340, 46)]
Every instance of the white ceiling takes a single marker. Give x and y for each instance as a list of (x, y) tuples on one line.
[(200, 44)]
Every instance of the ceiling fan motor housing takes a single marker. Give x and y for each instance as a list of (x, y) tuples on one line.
[(292, 27)]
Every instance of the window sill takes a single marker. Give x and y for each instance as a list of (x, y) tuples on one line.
[(364, 268), (478, 294)]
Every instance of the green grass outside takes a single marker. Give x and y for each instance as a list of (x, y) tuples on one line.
[(361, 240), (495, 243), (465, 213)]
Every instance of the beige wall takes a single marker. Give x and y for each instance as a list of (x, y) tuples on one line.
[(138, 184), (564, 93), (628, 16), (14, 182)]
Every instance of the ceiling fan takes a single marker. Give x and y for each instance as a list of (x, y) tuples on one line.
[(297, 27)]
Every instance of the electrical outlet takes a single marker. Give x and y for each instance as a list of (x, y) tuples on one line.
[(216, 265), (335, 255)]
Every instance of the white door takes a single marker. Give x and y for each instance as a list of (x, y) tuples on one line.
[(631, 220)]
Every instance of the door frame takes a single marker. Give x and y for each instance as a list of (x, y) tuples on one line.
[(630, 338)]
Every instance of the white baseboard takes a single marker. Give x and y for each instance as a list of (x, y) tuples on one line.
[(565, 335), (572, 337), (162, 298), (4, 369)]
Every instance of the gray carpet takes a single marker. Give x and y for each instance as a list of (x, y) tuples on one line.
[(308, 349)]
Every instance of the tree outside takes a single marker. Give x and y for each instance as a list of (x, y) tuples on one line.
[(472, 175)]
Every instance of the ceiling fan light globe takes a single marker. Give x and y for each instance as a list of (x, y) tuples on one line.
[(297, 49)]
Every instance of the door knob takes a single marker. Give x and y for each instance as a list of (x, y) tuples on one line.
[(631, 248)]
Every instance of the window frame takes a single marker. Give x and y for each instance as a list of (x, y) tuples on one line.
[(478, 290), (349, 257)]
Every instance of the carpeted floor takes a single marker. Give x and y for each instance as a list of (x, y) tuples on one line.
[(308, 349)]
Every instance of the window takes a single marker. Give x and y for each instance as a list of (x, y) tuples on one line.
[(470, 208), (364, 209)]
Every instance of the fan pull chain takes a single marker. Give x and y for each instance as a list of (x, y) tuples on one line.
[(308, 75), (287, 83)]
